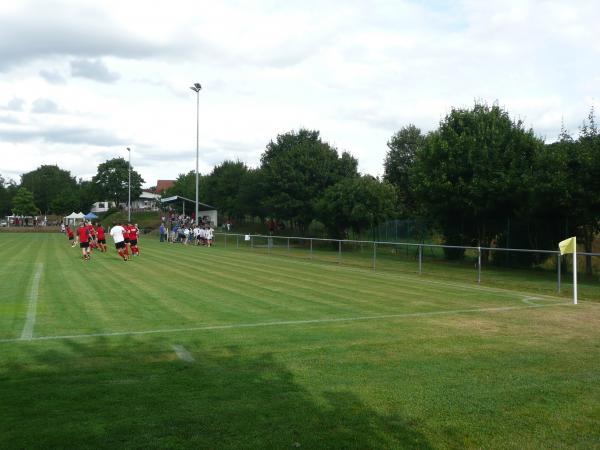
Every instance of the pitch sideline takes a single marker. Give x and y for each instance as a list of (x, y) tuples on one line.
[(27, 333), (282, 323)]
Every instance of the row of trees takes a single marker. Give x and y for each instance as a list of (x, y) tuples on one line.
[(479, 178), (479, 170), (473, 177), (300, 179), (52, 190)]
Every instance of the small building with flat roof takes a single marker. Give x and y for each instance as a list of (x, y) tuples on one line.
[(206, 213)]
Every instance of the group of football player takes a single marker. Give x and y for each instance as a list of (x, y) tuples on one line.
[(92, 236)]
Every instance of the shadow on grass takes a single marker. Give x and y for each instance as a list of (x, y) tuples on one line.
[(138, 394)]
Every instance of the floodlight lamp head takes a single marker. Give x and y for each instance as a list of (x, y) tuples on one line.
[(128, 149), (197, 86)]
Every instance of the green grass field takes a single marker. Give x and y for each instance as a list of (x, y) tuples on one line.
[(189, 347)]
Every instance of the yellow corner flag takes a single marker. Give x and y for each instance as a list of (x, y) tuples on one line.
[(568, 246)]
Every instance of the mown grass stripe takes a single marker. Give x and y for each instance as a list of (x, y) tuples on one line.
[(27, 332), (419, 280), (287, 322), (417, 286)]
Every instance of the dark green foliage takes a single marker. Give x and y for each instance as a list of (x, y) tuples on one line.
[(403, 146), (297, 168), (49, 184), (223, 187), (185, 186), (22, 203), (476, 168), (88, 194), (356, 204), (111, 181), (8, 189), (64, 203), (251, 194)]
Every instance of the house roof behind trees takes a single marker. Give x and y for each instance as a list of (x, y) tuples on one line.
[(162, 185)]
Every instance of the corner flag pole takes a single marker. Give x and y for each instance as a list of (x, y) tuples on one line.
[(570, 246), (575, 276)]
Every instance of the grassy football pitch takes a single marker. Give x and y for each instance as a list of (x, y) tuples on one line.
[(188, 347)]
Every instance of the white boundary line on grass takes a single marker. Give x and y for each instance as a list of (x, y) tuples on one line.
[(285, 322), (183, 354), (27, 333)]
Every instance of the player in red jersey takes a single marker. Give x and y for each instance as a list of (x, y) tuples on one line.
[(84, 240), (101, 237), (92, 235), (70, 235), (127, 242), (133, 238)]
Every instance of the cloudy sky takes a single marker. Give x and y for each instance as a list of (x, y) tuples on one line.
[(81, 81)]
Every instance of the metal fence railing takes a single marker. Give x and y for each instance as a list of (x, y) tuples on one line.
[(538, 270)]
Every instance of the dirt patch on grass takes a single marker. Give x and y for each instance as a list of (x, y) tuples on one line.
[(565, 322)]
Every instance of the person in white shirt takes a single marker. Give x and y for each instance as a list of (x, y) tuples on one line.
[(196, 235), (116, 233), (209, 235), (186, 233)]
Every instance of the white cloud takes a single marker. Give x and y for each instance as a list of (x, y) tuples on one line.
[(44, 106), (53, 76), (355, 70), (94, 69), (15, 104)]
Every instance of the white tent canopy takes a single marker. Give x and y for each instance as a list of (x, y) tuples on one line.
[(71, 218), (75, 215)]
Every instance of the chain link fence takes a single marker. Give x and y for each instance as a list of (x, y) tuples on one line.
[(533, 271)]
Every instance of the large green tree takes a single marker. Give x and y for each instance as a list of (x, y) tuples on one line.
[(111, 181), (64, 203), (356, 203), (251, 194), (8, 190), (584, 180), (403, 146), (297, 168), (87, 195), (185, 186), (48, 182), (23, 204), (473, 173), (549, 216), (223, 188)]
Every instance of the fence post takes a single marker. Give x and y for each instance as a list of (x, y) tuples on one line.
[(478, 264), (251, 242), (311, 250), (237, 241), (340, 251), (420, 259), (559, 271), (374, 254), (288, 244), (225, 240)]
